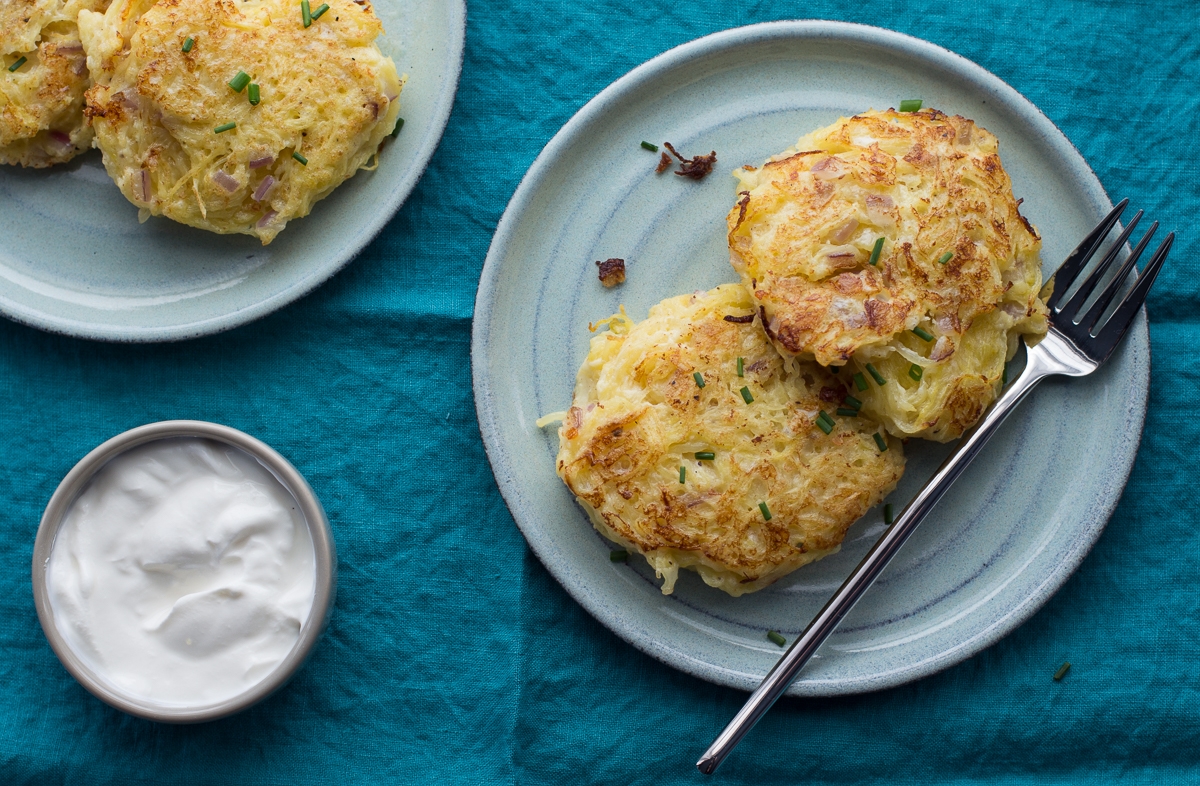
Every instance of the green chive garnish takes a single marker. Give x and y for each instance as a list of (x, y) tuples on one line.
[(683, 474), (221, 129), (650, 147), (847, 412), (699, 379), (888, 518), (852, 401), (922, 333), (300, 158), (1004, 376), (880, 442), (305, 13), (879, 380), (321, 9), (254, 94), (910, 105), (22, 60), (824, 423), (741, 367), (239, 82), (399, 125), (620, 555), (915, 372), (765, 511), (944, 258), (188, 43), (860, 382), (1062, 671), (775, 638), (876, 251), (705, 455), (746, 396)]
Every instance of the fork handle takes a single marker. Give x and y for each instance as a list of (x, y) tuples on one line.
[(1044, 359)]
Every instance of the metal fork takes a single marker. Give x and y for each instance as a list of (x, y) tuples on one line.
[(1077, 344)]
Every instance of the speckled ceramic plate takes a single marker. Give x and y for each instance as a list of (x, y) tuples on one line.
[(1005, 537), (75, 260)]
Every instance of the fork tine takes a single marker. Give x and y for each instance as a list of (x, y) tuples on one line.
[(1101, 305), (1111, 333), (1075, 305), (1077, 260)]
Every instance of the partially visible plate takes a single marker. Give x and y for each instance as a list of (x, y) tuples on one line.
[(75, 260), (1003, 540)]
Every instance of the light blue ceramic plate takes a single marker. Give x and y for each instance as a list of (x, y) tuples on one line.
[(75, 260), (1006, 536)]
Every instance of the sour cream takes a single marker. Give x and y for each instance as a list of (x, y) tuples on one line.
[(183, 572)]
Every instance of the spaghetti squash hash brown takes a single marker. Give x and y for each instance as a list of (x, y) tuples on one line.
[(957, 262), (181, 142), (634, 446), (41, 98)]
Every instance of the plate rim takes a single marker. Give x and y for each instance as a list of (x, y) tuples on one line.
[(728, 39), (126, 334)]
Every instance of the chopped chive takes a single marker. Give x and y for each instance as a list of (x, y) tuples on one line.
[(746, 396), (880, 442), (699, 379), (835, 369), (944, 258), (321, 9), (650, 147), (683, 474), (852, 401), (300, 158), (879, 380), (860, 382), (775, 638), (910, 105), (1062, 671), (876, 251), (305, 13), (847, 412), (705, 455), (824, 423), (922, 333), (741, 367), (765, 511), (1004, 375), (254, 94), (888, 517), (399, 125), (188, 43), (22, 60), (221, 129), (619, 555), (915, 372), (239, 82)]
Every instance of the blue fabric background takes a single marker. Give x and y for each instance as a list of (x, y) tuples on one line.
[(452, 656)]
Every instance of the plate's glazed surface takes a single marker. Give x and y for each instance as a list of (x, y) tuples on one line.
[(1005, 537), (75, 260)]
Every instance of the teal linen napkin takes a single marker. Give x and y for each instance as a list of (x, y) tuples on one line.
[(452, 656)]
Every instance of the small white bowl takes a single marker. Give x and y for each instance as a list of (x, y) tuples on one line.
[(325, 561)]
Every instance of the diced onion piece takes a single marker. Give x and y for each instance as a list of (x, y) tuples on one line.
[(267, 218), (551, 417), (60, 139), (141, 186), (263, 188), (226, 181), (259, 163), (844, 232), (828, 169), (71, 46)]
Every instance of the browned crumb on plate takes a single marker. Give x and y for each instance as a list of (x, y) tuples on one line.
[(696, 167), (664, 163), (612, 272)]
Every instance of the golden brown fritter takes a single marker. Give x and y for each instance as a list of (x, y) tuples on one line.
[(327, 94), (41, 101), (958, 261), (639, 416)]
